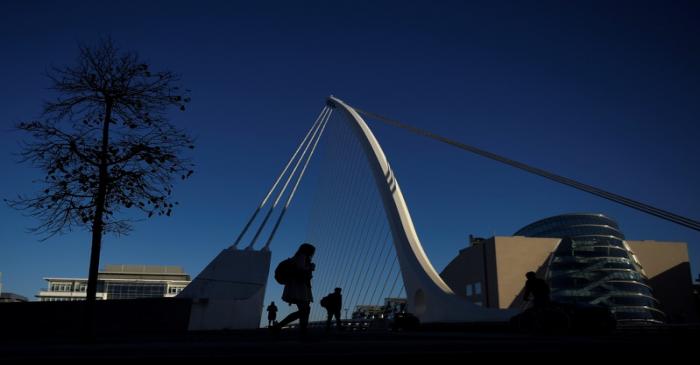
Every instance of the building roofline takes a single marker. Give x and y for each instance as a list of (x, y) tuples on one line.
[(590, 214), (115, 279), (141, 273), (142, 269)]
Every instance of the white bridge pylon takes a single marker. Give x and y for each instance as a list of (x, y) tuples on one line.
[(428, 296)]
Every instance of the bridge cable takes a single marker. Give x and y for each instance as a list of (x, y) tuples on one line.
[(386, 281), (284, 170), (284, 188), (350, 190), (660, 213), (354, 252), (402, 290), (362, 253), (387, 268), (317, 233), (355, 228), (368, 278), (357, 193), (360, 276), (396, 279), (354, 221), (299, 177), (346, 203), (348, 225), (322, 184), (374, 273), (341, 201)]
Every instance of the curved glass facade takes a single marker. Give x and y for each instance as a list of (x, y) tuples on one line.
[(593, 264)]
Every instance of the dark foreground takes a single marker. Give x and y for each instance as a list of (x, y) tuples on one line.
[(356, 346)]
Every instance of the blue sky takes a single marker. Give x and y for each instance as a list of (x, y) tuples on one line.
[(603, 92)]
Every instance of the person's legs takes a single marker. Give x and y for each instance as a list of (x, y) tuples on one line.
[(304, 311), (289, 319), (338, 322), (329, 317), (539, 309)]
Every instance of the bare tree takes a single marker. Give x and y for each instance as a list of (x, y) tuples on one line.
[(105, 144)]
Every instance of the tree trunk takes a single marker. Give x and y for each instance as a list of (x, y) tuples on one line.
[(98, 223)]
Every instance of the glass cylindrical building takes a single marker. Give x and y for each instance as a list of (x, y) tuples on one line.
[(593, 264)]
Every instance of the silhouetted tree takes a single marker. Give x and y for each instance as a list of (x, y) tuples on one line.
[(105, 144)]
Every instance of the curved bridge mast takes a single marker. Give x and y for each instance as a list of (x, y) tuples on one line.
[(428, 295)]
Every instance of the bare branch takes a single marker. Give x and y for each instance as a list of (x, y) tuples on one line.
[(143, 155)]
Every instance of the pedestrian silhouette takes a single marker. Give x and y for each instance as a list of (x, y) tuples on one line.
[(539, 290), (271, 314), (296, 273), (333, 302)]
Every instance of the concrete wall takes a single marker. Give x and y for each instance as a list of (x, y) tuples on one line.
[(470, 267), (515, 256), (668, 270), (500, 263)]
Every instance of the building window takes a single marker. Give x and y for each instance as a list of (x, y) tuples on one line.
[(61, 287), (474, 289), (135, 290)]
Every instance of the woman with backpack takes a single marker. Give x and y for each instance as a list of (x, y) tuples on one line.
[(296, 273)]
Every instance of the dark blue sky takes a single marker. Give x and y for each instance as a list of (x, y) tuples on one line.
[(600, 91)]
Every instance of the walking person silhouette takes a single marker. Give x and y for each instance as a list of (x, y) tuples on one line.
[(271, 314), (296, 273), (333, 302)]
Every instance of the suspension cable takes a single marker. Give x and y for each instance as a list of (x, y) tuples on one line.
[(375, 267), (284, 170), (359, 276), (660, 213), (345, 180), (284, 188), (301, 175)]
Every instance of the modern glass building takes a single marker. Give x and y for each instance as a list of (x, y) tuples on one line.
[(120, 282), (593, 264)]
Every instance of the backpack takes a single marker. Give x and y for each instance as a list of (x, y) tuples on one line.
[(325, 301), (285, 271)]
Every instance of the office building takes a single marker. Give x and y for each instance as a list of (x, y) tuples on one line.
[(120, 282), (585, 258)]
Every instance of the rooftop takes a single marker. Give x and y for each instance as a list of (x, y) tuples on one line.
[(142, 269)]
